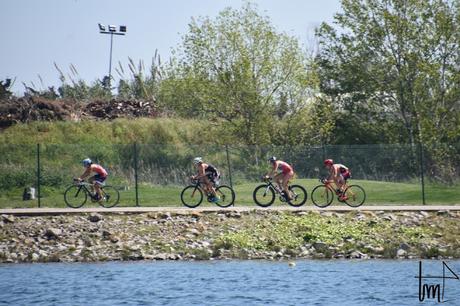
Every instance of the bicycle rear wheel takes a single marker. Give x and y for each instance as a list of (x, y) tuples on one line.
[(322, 196), (110, 196), (191, 196), (354, 195), (75, 196), (226, 195), (264, 195), (299, 195)]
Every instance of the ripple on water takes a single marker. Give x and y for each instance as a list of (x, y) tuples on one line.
[(369, 282)]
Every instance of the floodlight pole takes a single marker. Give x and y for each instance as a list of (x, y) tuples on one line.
[(112, 30), (110, 61)]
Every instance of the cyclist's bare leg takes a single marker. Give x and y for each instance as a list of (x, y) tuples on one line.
[(208, 186), (95, 187), (98, 190), (91, 181), (286, 178), (279, 180)]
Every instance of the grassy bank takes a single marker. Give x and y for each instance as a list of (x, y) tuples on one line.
[(120, 131), (378, 193)]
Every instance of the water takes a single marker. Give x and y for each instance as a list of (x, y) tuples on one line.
[(309, 282)]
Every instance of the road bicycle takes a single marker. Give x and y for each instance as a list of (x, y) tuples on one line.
[(192, 195), (323, 195), (78, 193), (264, 195)]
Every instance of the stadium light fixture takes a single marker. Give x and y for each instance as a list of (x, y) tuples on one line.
[(112, 30)]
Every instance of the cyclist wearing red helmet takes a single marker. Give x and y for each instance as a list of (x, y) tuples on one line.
[(339, 174), (281, 173)]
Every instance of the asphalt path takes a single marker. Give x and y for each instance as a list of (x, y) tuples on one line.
[(185, 210)]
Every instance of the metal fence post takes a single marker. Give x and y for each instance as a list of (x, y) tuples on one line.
[(422, 178), (135, 174), (229, 167), (38, 175)]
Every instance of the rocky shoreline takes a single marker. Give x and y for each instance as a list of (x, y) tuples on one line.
[(258, 234)]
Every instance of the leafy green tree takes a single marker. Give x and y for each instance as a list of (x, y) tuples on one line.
[(393, 68), (238, 70)]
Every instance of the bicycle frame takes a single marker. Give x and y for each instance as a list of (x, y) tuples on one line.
[(275, 188), (329, 186), (199, 185), (84, 185)]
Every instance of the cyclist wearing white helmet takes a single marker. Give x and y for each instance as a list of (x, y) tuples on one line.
[(98, 179), (208, 176), (281, 173)]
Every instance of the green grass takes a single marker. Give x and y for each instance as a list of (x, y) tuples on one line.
[(378, 193)]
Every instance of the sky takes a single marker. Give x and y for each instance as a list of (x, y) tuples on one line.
[(38, 33)]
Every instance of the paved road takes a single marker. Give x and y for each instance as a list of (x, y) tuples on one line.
[(184, 210)]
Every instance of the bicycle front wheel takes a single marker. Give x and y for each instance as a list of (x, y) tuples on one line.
[(110, 196), (355, 195), (75, 196), (298, 194), (226, 196), (322, 196), (191, 196), (264, 195)]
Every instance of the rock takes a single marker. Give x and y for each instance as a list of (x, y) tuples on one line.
[(95, 217), (35, 257), (196, 215), (161, 256), (424, 214), (205, 244), (8, 218), (389, 217), (376, 250), (234, 214), (320, 246), (166, 215), (404, 246), (358, 255), (193, 231), (106, 234), (53, 233), (401, 253)]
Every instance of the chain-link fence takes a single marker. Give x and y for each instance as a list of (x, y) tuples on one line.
[(154, 175)]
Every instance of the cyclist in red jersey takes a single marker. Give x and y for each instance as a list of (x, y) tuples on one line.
[(98, 179), (339, 174), (281, 173)]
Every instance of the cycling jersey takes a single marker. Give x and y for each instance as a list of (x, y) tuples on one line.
[(101, 172), (284, 167), (342, 170)]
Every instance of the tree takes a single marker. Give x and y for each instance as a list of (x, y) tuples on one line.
[(238, 70), (395, 64)]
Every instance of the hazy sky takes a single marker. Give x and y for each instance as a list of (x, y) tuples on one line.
[(37, 33)]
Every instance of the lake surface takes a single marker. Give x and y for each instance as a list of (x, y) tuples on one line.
[(309, 282)]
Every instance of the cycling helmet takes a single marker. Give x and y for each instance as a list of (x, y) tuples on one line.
[(197, 160), (272, 159), (328, 162), (87, 162)]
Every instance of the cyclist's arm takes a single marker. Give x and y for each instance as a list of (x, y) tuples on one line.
[(201, 172), (85, 174), (273, 171), (331, 174)]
